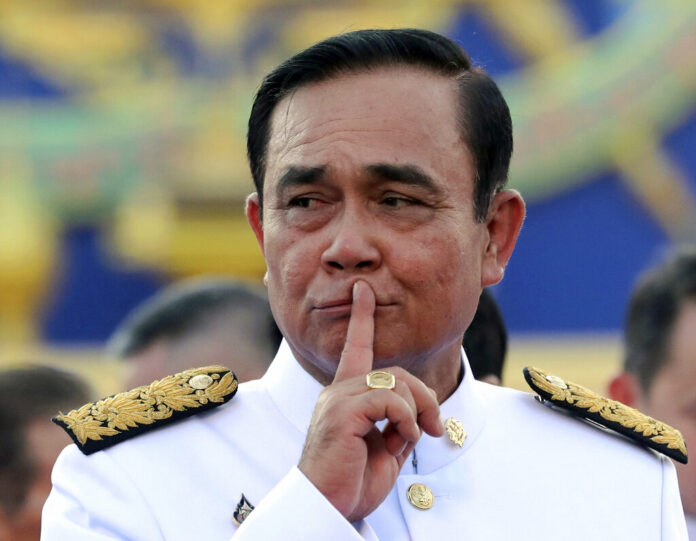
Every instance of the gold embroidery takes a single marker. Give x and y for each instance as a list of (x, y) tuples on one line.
[(147, 404), (455, 431), (611, 411)]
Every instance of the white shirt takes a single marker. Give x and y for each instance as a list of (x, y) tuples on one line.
[(524, 472), (691, 526)]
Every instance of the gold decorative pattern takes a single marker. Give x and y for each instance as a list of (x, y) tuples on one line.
[(112, 419), (420, 496), (455, 431), (609, 413), (379, 379)]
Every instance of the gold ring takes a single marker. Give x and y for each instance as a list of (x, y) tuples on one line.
[(378, 379)]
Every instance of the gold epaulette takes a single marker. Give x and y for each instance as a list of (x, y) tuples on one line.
[(98, 425), (608, 413)]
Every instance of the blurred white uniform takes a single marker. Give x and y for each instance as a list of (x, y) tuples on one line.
[(524, 472)]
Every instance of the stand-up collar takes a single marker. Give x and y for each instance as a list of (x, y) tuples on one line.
[(465, 405), (295, 393), (293, 390)]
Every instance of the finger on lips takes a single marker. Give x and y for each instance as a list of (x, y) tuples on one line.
[(356, 361), (357, 356)]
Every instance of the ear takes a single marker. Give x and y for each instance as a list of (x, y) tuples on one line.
[(624, 388), (253, 214), (503, 223)]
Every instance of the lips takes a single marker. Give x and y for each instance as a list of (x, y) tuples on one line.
[(344, 302), (334, 304), (339, 307)]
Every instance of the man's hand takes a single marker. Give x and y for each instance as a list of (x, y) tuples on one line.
[(345, 456)]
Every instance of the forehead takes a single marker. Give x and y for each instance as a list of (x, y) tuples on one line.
[(389, 115)]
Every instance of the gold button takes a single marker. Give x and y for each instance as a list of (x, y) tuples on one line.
[(455, 431), (201, 381), (558, 382), (420, 496)]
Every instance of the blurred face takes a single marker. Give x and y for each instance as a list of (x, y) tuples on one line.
[(672, 396), (46, 441), (368, 178)]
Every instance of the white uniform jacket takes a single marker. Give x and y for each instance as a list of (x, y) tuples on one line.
[(524, 472)]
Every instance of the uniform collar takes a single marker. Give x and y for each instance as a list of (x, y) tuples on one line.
[(293, 390), (295, 394), (465, 405)]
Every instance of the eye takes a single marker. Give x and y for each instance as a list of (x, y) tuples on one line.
[(397, 201), (305, 202)]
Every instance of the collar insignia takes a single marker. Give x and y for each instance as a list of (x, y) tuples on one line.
[(455, 431), (244, 508)]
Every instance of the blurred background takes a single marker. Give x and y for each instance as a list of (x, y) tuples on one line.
[(122, 157)]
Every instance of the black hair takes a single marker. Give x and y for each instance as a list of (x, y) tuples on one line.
[(653, 310), (28, 394), (484, 117), (183, 308), (485, 341)]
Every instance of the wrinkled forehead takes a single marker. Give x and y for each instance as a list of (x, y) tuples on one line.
[(383, 115)]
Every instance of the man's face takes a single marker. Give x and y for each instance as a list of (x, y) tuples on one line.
[(368, 178), (672, 396)]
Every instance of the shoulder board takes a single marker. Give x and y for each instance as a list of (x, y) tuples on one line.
[(98, 425), (608, 413)]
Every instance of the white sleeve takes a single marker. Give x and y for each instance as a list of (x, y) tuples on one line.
[(673, 522), (80, 509), (295, 509)]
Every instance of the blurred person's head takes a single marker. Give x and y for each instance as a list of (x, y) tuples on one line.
[(659, 374), (197, 323), (30, 442), (485, 341)]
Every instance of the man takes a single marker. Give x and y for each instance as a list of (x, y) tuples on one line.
[(379, 159), (30, 444), (659, 375), (485, 341), (197, 322)]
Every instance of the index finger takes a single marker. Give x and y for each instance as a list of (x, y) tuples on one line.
[(358, 353)]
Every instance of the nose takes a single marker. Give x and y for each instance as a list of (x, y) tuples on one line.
[(353, 247)]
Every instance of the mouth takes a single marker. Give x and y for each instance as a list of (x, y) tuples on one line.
[(343, 307), (335, 307)]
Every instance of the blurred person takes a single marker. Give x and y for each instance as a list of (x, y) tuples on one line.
[(485, 341), (30, 443), (197, 322), (659, 372), (380, 159)]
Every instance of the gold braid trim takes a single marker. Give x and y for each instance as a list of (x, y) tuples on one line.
[(148, 404), (615, 414)]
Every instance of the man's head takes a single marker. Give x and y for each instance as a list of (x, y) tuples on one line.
[(196, 323), (381, 156), (30, 443), (485, 341), (660, 355), (481, 114)]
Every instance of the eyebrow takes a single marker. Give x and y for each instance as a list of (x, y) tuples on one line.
[(297, 176), (406, 174)]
